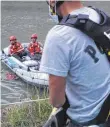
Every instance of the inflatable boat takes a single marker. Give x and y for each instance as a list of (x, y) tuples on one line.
[(27, 68)]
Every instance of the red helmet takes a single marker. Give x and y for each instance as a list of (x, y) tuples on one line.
[(34, 36), (12, 38)]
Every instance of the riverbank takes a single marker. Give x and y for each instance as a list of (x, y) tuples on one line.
[(28, 114)]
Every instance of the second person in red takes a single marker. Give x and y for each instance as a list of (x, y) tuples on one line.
[(34, 47)]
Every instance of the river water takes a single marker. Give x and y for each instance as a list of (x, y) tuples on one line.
[(23, 19)]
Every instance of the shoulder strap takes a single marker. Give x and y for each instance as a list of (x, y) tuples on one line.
[(75, 20), (81, 21), (102, 116), (103, 15), (89, 27)]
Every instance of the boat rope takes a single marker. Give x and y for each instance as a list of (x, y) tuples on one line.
[(15, 103), (6, 81)]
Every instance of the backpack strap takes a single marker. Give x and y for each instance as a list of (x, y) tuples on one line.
[(89, 27), (102, 14), (104, 113), (77, 21), (81, 22)]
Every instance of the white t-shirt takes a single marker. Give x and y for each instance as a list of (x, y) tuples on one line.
[(87, 78)]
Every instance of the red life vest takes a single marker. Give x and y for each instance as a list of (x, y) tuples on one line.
[(34, 48), (15, 48)]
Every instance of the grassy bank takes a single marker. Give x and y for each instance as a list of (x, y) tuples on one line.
[(33, 114)]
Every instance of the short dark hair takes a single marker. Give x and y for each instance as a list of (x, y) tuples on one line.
[(58, 3)]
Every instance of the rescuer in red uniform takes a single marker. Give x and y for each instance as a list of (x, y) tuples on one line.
[(34, 47), (16, 47)]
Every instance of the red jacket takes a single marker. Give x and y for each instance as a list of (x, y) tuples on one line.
[(16, 48), (34, 48)]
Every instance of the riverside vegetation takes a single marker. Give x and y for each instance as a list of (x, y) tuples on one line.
[(31, 114)]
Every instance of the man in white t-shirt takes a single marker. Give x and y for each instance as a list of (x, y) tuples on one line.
[(71, 70)]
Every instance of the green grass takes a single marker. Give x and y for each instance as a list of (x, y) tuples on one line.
[(33, 114)]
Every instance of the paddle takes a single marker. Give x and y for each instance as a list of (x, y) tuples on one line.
[(9, 55), (17, 51), (3, 53)]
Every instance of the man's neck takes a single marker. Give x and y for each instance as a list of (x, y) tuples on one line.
[(68, 7)]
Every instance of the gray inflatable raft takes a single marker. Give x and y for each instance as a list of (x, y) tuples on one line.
[(27, 70)]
